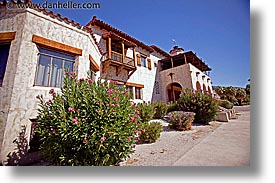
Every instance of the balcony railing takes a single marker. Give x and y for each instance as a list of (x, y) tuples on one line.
[(118, 57)]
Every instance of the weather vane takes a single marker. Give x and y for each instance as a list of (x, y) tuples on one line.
[(174, 41)]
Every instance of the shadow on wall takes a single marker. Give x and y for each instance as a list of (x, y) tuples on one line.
[(156, 95), (20, 155)]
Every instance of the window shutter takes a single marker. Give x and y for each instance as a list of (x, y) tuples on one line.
[(149, 63), (138, 60)]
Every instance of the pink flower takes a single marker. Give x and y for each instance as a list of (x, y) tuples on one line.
[(87, 89), (132, 119), (137, 116), (48, 101), (102, 139), (71, 109), (38, 96), (137, 138), (129, 138), (89, 80), (112, 105), (110, 90), (115, 99), (51, 91), (75, 120), (69, 73), (118, 105), (78, 110), (136, 131), (54, 131), (143, 130), (111, 133), (81, 79)]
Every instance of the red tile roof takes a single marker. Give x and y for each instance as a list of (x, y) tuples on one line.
[(157, 49), (108, 27), (58, 17)]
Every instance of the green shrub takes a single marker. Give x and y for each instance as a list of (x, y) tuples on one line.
[(88, 123), (160, 110), (146, 111), (180, 120), (226, 104), (149, 132), (202, 104), (234, 101), (172, 107)]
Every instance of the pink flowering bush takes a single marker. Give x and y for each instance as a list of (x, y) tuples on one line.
[(88, 123), (202, 104)]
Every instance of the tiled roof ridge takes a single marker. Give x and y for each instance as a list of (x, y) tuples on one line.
[(119, 32), (157, 49), (58, 17)]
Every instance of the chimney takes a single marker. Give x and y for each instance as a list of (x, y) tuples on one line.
[(176, 50)]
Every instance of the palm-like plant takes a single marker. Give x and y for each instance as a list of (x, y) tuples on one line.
[(230, 92), (240, 95), (220, 91)]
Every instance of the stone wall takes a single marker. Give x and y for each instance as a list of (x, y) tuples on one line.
[(18, 103)]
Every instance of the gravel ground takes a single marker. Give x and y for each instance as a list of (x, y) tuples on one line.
[(170, 146)]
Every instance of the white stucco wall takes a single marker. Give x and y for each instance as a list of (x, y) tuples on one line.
[(141, 76), (18, 103), (201, 77), (186, 76)]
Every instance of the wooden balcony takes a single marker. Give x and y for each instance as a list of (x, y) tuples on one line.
[(119, 61)]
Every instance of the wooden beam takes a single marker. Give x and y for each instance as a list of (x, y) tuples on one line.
[(109, 47), (135, 85), (123, 52), (7, 36), (106, 64), (56, 45), (134, 56), (131, 73), (93, 64), (185, 59), (172, 62)]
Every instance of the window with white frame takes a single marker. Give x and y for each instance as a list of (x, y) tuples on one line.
[(51, 67)]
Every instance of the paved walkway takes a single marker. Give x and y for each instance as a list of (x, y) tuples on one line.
[(229, 145)]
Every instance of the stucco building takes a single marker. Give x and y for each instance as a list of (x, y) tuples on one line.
[(37, 45)]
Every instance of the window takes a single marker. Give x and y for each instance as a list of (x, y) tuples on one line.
[(130, 91), (51, 67), (138, 92), (4, 54), (143, 61)]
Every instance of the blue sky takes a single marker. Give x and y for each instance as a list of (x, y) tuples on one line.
[(218, 31)]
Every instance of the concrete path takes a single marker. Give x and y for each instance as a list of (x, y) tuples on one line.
[(229, 145)]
